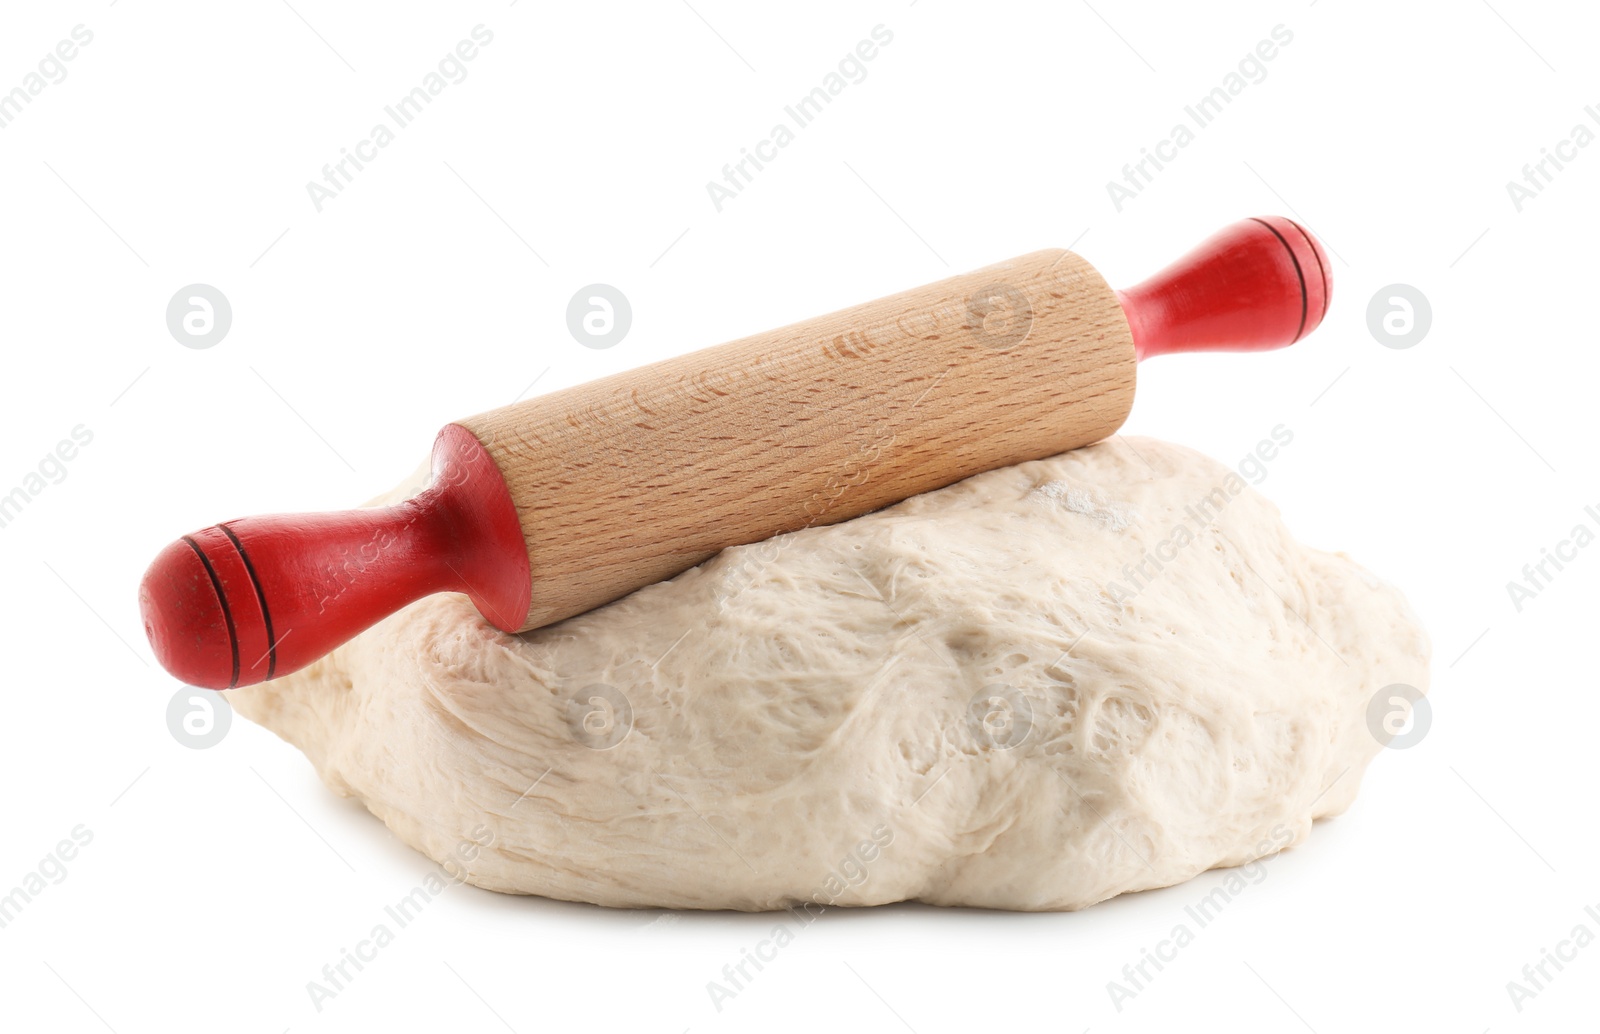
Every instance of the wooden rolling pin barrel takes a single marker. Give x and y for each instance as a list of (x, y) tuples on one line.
[(552, 506)]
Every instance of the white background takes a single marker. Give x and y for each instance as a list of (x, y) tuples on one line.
[(177, 150)]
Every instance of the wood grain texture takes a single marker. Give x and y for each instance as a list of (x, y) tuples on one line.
[(630, 479)]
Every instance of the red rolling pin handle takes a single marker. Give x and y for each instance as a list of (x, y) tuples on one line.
[(1258, 284), (248, 600)]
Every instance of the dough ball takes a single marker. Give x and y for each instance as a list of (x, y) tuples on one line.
[(1036, 689)]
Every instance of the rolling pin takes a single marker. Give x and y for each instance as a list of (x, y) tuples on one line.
[(552, 506)]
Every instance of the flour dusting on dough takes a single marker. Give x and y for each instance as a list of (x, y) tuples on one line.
[(1076, 500)]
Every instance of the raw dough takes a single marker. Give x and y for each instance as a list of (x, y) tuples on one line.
[(940, 701)]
